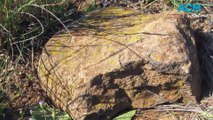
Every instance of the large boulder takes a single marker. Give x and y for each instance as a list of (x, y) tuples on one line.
[(115, 59)]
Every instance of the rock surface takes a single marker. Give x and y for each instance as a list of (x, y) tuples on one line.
[(115, 59), (169, 115)]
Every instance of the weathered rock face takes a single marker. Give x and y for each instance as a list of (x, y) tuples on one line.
[(162, 115), (117, 59)]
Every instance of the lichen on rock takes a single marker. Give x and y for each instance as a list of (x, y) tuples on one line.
[(118, 59)]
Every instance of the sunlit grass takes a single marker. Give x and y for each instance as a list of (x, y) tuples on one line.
[(22, 22)]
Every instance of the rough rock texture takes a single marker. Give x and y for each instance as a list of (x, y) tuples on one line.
[(115, 59), (169, 115)]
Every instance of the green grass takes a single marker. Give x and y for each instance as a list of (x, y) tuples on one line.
[(22, 22), (45, 112), (126, 116), (36, 13)]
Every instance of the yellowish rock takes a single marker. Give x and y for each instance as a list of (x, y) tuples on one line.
[(115, 59)]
